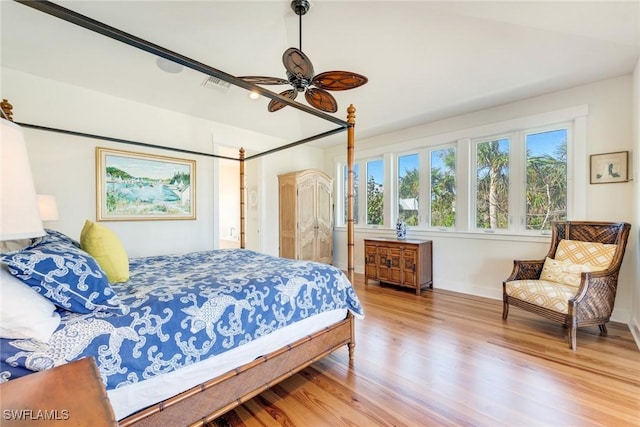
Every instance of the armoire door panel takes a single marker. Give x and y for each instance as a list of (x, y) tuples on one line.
[(306, 209), (324, 207), (313, 210)]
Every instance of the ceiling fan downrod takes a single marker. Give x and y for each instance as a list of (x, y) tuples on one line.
[(300, 7)]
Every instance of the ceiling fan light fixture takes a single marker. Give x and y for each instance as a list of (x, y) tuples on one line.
[(169, 66)]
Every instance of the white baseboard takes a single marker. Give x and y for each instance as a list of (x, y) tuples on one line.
[(634, 326)]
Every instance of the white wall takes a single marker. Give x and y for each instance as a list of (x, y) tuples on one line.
[(64, 165), (635, 166), (477, 264), (229, 202)]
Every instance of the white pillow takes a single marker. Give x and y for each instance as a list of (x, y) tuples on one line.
[(565, 272), (24, 313)]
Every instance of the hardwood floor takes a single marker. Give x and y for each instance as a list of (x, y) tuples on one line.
[(448, 359)]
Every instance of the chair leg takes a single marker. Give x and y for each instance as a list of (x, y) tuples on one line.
[(603, 329), (572, 337), (505, 309)]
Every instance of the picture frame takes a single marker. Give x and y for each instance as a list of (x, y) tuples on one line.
[(609, 168), (137, 186)]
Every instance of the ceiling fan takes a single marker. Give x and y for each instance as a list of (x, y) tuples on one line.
[(301, 76)]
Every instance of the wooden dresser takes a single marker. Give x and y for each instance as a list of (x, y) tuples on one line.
[(68, 395), (406, 262)]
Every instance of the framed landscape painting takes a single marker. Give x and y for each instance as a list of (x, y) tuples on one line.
[(135, 186)]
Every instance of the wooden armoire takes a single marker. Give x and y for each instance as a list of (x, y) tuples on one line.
[(306, 215)]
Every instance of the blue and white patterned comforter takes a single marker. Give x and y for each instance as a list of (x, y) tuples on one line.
[(181, 309)]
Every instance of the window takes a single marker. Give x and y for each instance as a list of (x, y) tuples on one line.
[(515, 177), (492, 184), (443, 187), (408, 188), (546, 160), (375, 192), (345, 173), (521, 180)]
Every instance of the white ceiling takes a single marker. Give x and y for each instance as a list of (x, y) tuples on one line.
[(425, 60)]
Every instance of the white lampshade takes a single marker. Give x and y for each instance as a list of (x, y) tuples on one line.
[(20, 218), (48, 207)]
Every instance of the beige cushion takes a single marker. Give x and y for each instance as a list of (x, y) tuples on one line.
[(565, 272), (589, 253), (551, 295)]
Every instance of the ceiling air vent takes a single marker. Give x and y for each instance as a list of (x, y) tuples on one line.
[(215, 83)]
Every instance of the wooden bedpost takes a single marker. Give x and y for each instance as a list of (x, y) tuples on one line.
[(351, 120), (242, 204), (6, 109)]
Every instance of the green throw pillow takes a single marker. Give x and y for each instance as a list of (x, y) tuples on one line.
[(105, 246)]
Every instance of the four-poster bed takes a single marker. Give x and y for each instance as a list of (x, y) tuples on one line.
[(219, 393)]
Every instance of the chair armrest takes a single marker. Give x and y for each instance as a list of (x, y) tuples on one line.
[(596, 294), (526, 269)]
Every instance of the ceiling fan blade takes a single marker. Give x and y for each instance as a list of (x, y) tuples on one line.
[(322, 100), (338, 80), (275, 105), (261, 80), (297, 63)]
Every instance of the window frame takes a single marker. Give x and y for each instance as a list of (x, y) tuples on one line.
[(569, 127), (573, 119), (428, 214), (396, 186), (518, 178), (364, 199), (473, 180)]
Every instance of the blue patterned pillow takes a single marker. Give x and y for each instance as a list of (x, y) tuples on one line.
[(65, 274), (53, 235)]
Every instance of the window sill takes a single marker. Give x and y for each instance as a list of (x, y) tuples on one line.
[(453, 234)]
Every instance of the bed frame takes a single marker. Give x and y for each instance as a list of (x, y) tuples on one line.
[(209, 400)]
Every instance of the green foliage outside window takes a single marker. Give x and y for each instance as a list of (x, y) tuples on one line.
[(547, 183), (375, 202), (408, 190), (355, 193), (492, 195), (443, 188)]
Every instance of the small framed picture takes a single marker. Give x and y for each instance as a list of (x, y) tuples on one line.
[(609, 167)]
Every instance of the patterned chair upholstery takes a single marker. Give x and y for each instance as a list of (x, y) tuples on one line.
[(575, 284)]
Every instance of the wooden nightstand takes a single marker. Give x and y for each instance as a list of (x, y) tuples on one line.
[(68, 395)]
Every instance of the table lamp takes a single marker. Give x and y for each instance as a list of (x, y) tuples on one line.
[(20, 217)]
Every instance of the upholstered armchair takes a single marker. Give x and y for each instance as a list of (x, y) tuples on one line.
[(575, 284)]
